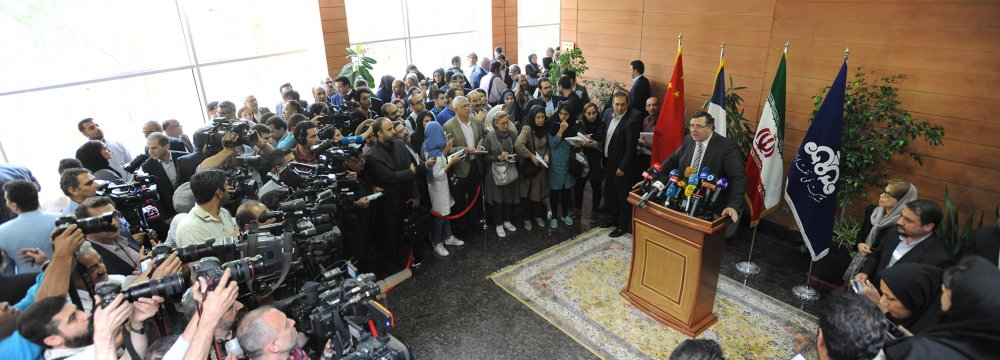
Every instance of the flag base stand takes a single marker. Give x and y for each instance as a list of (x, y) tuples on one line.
[(806, 292), (748, 267)]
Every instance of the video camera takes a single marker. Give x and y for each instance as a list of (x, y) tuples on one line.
[(346, 309), (244, 134), (135, 201)]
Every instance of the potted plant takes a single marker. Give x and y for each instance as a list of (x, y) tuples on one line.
[(830, 269), (953, 235), (601, 90), (571, 59), (360, 65)]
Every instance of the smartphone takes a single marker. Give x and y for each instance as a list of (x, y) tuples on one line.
[(144, 265), (891, 330), (856, 286)]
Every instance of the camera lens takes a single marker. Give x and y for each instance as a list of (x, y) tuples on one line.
[(163, 287), (243, 270), (97, 224), (108, 290)]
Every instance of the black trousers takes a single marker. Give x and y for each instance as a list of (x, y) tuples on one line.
[(464, 193), (616, 200), (562, 197), (596, 191)]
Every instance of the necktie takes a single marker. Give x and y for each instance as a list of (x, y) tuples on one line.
[(696, 160)]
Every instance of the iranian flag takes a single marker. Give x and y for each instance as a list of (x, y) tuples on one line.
[(764, 164)]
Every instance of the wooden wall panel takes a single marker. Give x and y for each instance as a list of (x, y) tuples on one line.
[(949, 50), (333, 17)]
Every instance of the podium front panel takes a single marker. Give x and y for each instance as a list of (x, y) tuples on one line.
[(668, 279)]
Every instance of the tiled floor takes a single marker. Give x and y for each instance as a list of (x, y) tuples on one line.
[(451, 310)]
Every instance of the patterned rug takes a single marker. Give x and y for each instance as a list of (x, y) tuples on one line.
[(575, 286)]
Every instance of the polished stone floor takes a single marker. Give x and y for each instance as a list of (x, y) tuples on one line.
[(450, 309)]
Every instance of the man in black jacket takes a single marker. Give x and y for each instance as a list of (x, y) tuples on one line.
[(390, 166), (187, 164), (640, 88), (622, 134), (719, 154), (913, 241), (120, 254), (162, 164)]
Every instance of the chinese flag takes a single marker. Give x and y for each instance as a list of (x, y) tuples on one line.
[(669, 132)]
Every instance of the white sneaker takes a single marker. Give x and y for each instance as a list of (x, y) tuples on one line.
[(440, 250), (500, 232), (510, 227), (453, 241), (527, 225)]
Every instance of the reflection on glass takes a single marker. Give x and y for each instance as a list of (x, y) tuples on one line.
[(534, 40)]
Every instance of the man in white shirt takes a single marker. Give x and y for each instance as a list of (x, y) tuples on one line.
[(119, 155), (207, 219)]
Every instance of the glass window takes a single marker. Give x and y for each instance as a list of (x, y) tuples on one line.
[(366, 25), (537, 28), (431, 17), (262, 77), (225, 29), (431, 53)]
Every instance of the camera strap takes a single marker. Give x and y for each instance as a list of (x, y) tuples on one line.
[(127, 336)]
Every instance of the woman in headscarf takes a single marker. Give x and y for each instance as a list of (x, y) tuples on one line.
[(500, 149), (417, 138), (911, 295), (591, 125), (384, 90), (438, 78), (412, 69), (509, 106), (970, 326), (94, 156), (561, 182), (880, 219), (533, 72), (436, 147), (532, 140)]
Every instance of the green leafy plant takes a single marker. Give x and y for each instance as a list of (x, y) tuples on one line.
[(876, 127), (571, 59), (845, 232), (359, 66), (738, 126), (601, 89), (953, 235)]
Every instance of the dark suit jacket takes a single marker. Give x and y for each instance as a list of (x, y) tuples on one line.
[(163, 186), (175, 145), (187, 164), (638, 94), (932, 251), (389, 168), (621, 146), (113, 263), (723, 158)]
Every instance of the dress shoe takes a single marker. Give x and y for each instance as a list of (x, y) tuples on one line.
[(618, 232)]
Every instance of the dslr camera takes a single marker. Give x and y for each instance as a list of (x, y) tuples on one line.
[(241, 270), (221, 126), (164, 287), (91, 225)]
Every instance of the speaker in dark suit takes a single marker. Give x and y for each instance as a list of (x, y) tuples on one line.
[(719, 154), (640, 88), (621, 137), (914, 237), (164, 187)]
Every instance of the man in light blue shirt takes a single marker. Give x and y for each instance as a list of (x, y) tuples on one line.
[(28, 231)]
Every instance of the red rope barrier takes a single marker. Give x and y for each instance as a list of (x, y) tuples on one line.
[(475, 199)]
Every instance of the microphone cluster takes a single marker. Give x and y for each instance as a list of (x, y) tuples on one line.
[(690, 192)]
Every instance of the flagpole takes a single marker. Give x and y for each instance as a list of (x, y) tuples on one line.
[(806, 292), (722, 51), (748, 268), (679, 35)]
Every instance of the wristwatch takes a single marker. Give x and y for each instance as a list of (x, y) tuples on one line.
[(141, 331)]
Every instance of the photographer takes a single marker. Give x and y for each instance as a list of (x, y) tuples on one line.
[(69, 333), (277, 160), (207, 220), (53, 282), (78, 184), (266, 333), (226, 158), (365, 110), (121, 254), (306, 136), (211, 307)]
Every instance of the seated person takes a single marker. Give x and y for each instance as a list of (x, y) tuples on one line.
[(911, 296), (914, 241)]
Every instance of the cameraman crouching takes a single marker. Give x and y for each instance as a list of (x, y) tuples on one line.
[(266, 333), (120, 254)]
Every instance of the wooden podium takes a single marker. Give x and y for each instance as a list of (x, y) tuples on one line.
[(675, 266)]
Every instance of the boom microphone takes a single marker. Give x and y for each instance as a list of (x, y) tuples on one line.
[(719, 186)]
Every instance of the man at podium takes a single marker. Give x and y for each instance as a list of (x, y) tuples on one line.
[(705, 148)]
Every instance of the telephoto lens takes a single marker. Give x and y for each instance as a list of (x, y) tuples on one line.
[(163, 287), (241, 270)]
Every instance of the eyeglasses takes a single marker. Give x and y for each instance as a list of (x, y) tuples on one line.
[(887, 194), (697, 126)]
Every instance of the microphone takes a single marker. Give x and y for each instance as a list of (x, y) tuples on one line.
[(672, 189), (656, 187), (695, 199), (264, 217), (688, 171), (719, 186), (134, 165), (393, 280), (692, 184), (647, 176)]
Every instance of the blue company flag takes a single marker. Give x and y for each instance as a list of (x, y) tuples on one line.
[(812, 179)]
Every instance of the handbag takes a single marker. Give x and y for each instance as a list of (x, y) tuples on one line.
[(504, 173), (578, 164)]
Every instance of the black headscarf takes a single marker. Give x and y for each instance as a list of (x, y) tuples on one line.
[(444, 80), (970, 329), (918, 287), (417, 138), (537, 130), (384, 90), (554, 121), (90, 156)]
